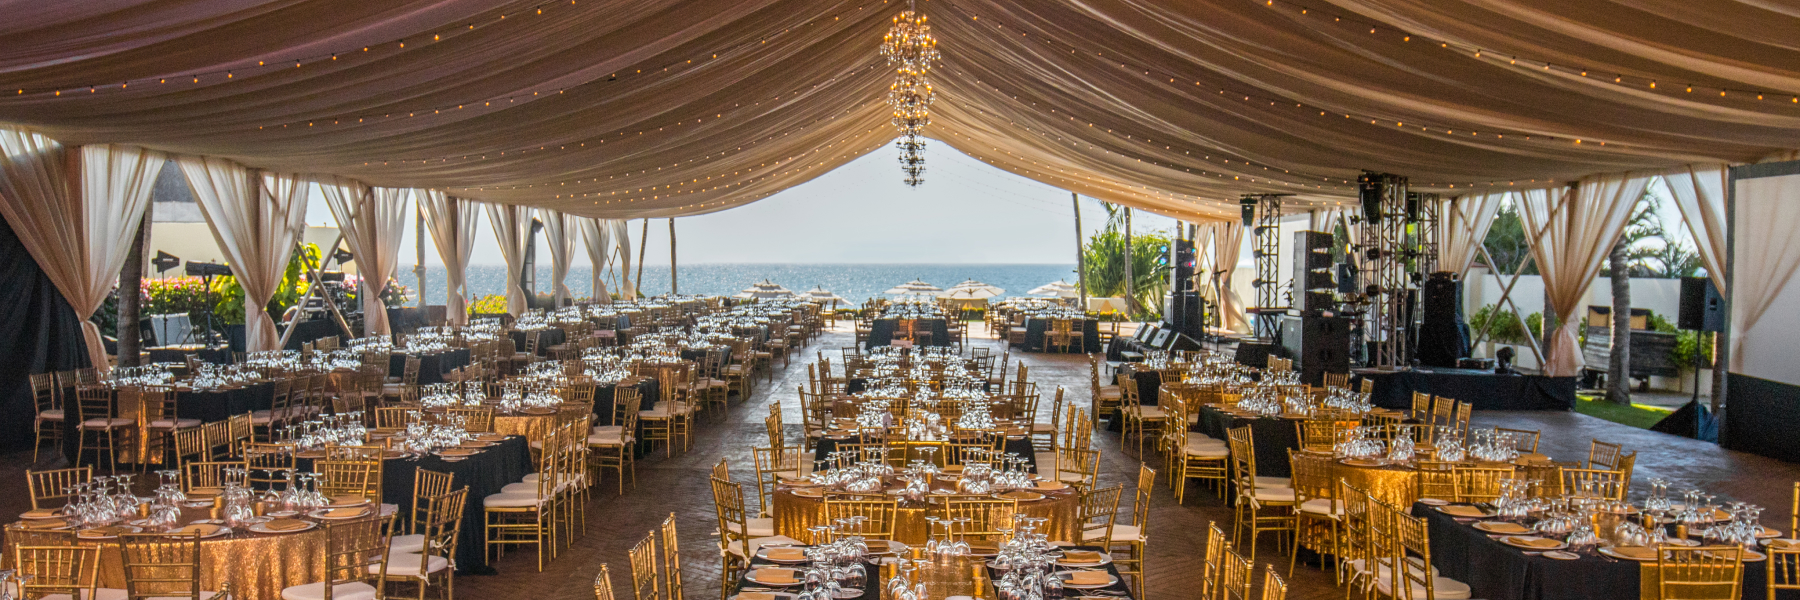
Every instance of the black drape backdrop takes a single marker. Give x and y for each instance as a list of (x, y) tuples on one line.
[(38, 333)]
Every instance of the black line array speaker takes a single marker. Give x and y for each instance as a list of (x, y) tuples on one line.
[(1313, 283), (1702, 309), (1318, 345), (1442, 337)]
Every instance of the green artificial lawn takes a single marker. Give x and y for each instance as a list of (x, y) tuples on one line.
[(1636, 415)]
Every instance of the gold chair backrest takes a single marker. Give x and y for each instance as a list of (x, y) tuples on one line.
[(987, 518), (671, 557), (478, 420), (603, 589), (1783, 569), (1593, 483), (1209, 573), (354, 548), (646, 584), (1411, 551), (1234, 576), (442, 525), (1099, 510), (879, 515), (1525, 440), (350, 478), (1603, 455), (1273, 587), (427, 484), (46, 486), (47, 570), (198, 475), (1478, 484), (161, 565), (1699, 573)]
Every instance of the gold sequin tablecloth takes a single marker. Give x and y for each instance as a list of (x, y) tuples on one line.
[(1394, 484), (531, 427), (794, 514), (257, 566)]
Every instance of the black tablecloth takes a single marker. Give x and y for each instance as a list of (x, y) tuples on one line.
[(1484, 389), (210, 405), (1035, 330), (1496, 571), (603, 407), (1272, 437), (507, 462), (881, 332), (1021, 447), (432, 367)]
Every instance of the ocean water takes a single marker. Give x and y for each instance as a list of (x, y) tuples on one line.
[(853, 282)]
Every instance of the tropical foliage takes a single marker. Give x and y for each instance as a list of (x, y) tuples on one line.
[(1104, 257)]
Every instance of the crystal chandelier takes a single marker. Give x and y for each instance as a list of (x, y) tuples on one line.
[(911, 50)]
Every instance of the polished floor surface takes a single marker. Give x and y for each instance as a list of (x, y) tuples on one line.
[(679, 485)]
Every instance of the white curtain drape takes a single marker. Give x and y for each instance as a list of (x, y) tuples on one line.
[(1766, 257), (1227, 239), (1699, 192), (1462, 227), (256, 218), (75, 208), (452, 222), (512, 229), (560, 231), (1571, 233), (597, 234), (622, 235), (372, 221)]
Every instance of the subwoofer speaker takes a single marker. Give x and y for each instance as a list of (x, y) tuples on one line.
[(1702, 309)]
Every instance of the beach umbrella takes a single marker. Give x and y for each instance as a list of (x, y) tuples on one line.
[(914, 288), (819, 295), (1058, 288), (966, 294), (975, 286), (765, 289)]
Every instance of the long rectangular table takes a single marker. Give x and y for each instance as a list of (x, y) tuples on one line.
[(1484, 389)]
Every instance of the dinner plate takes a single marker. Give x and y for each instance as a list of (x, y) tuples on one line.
[(106, 533), (207, 530), (1433, 502), (1561, 555), (765, 554), (1533, 542), (1361, 462), (754, 578), (1111, 579), (350, 513), (1502, 527), (1635, 553), (1104, 560), (264, 528), (1020, 495), (1464, 512), (40, 513), (885, 547), (809, 492), (763, 596)]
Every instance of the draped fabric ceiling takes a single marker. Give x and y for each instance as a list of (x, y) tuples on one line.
[(653, 108)]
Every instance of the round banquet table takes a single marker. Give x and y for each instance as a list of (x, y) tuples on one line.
[(1399, 484), (794, 514), (257, 565)]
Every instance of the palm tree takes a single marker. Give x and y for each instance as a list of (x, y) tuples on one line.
[(1104, 257), (1644, 225)]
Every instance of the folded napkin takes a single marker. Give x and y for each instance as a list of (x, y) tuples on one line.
[(953, 468), (756, 596), (1089, 577), (1635, 552), (345, 513), (107, 531), (878, 546), (285, 525), (348, 500), (775, 576), (45, 523), (1462, 511), (1534, 542), (1784, 544), (1080, 557), (204, 529), (1503, 527), (984, 547), (786, 554), (39, 513)]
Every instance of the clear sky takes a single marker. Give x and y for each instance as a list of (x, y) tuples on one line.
[(966, 212)]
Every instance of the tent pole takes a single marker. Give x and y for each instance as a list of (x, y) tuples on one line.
[(1080, 255), (643, 240), (673, 288), (1131, 307)]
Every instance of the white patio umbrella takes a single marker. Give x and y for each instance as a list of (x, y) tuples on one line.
[(1058, 288), (764, 290), (967, 294), (818, 294), (979, 287), (914, 288)]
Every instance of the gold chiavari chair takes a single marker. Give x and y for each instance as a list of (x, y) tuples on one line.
[(1196, 457), (1273, 587), (671, 560), (772, 424), (1135, 537), (528, 517), (1259, 509), (1603, 455), (1478, 484), (603, 589), (427, 484), (46, 425), (437, 555), (772, 464), (615, 446), (1043, 433), (646, 583), (1783, 567), (335, 452), (395, 418), (266, 461), (67, 571), (102, 431), (361, 478), (1699, 573), (239, 430), (1210, 561), (47, 488), (878, 515), (1077, 466), (210, 477), (1234, 576), (195, 442), (1359, 565), (1098, 514), (355, 559), (1461, 423), (481, 420), (163, 566), (1318, 511), (1592, 483), (1321, 434), (1104, 398), (735, 547), (982, 520), (1524, 440), (1421, 406), (1409, 562), (1337, 380)]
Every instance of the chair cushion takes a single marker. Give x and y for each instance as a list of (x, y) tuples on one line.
[(1109, 392), (106, 423), (515, 500), (316, 591), (1273, 482), (54, 414), (1120, 533), (1274, 494), (613, 438), (529, 488), (406, 564), (758, 528), (102, 594), (757, 544), (1203, 450), (1144, 411), (1323, 506), (174, 423), (406, 543), (1441, 587)]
